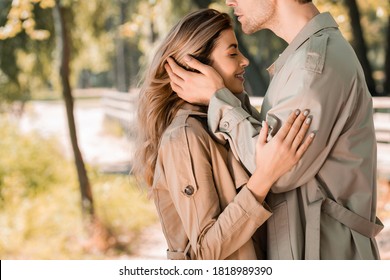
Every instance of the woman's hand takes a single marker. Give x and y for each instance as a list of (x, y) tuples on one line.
[(281, 153)]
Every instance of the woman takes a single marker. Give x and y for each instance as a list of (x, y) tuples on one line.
[(208, 206)]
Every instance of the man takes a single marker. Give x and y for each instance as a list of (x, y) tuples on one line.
[(325, 207)]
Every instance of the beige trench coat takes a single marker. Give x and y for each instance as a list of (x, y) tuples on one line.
[(325, 207), (205, 209)]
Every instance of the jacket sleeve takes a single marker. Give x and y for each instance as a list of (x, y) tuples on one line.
[(230, 120), (332, 104), (213, 233)]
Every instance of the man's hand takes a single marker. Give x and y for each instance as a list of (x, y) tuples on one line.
[(196, 88)]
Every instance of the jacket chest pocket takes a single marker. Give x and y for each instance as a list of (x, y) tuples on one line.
[(279, 244)]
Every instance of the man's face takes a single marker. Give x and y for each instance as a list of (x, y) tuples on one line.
[(253, 15)]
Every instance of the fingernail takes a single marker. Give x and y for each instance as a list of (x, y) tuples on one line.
[(308, 120), (187, 58), (262, 124), (312, 134), (306, 113), (297, 112)]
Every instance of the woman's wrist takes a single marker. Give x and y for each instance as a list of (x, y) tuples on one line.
[(259, 184)]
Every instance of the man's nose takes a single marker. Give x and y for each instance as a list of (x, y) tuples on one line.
[(230, 3)]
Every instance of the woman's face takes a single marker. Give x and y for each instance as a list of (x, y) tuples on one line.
[(229, 62)]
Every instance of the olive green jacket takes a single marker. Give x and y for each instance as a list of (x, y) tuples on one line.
[(325, 207)]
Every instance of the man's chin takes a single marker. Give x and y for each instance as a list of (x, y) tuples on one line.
[(247, 30)]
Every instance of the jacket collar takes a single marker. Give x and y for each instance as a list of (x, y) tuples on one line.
[(316, 24), (191, 110)]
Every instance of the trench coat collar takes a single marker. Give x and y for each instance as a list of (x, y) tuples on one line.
[(190, 109), (316, 24)]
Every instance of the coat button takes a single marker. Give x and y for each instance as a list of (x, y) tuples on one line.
[(189, 190), (225, 125)]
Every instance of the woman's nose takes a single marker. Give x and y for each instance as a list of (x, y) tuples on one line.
[(244, 61)]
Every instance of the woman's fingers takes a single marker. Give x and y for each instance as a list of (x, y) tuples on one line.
[(285, 129), (292, 133), (298, 139), (263, 134), (296, 127), (305, 145)]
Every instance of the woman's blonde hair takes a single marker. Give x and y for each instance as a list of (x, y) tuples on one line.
[(196, 35)]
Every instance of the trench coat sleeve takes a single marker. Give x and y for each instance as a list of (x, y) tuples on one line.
[(335, 102), (213, 233), (333, 108), (230, 120)]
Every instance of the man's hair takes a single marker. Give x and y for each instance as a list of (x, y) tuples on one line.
[(304, 1)]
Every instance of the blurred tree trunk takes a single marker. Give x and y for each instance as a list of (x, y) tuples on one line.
[(65, 43), (99, 236), (386, 87), (359, 44), (122, 72)]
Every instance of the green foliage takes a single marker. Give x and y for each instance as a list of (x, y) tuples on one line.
[(116, 38), (93, 44), (374, 19), (29, 67), (48, 225), (29, 163), (40, 214), (122, 205), (25, 63)]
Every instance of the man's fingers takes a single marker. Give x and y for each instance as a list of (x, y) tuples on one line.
[(196, 64), (176, 81), (176, 88), (172, 75), (177, 69)]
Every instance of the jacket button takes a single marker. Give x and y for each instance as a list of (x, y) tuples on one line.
[(189, 190), (225, 125)]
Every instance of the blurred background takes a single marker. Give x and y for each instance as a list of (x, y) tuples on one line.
[(69, 77)]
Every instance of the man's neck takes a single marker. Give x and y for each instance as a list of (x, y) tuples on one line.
[(291, 18)]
